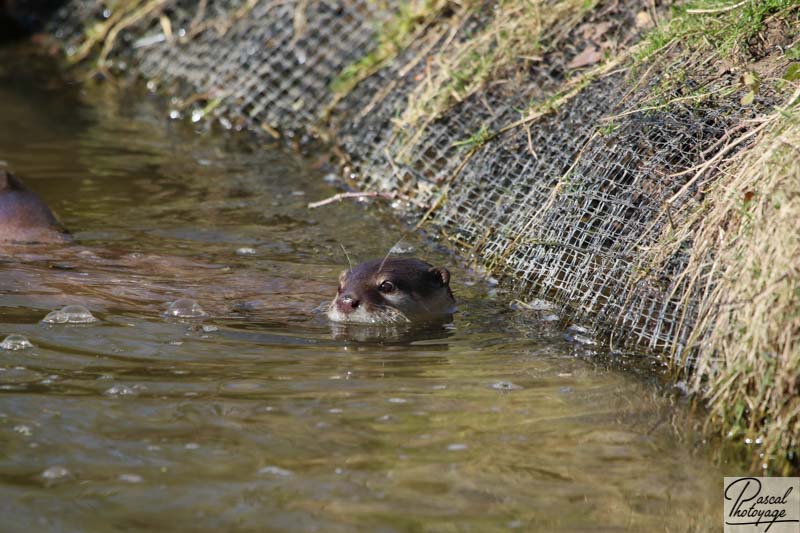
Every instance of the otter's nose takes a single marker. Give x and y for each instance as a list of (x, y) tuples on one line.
[(346, 303)]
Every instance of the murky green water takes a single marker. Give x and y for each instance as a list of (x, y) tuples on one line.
[(260, 416)]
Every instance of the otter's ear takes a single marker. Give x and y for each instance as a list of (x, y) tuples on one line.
[(441, 273)]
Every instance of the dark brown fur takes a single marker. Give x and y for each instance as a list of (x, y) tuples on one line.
[(416, 291), (24, 217)]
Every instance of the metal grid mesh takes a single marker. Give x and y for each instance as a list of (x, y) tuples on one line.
[(565, 208)]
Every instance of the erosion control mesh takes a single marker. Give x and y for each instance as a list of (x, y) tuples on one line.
[(536, 145)]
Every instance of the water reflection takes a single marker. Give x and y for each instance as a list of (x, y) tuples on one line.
[(394, 334)]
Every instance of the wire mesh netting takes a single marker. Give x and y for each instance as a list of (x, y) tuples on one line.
[(567, 207)]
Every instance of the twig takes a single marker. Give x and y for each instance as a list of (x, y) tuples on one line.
[(665, 104), (707, 164), (133, 18), (199, 14), (446, 188), (717, 9), (345, 195)]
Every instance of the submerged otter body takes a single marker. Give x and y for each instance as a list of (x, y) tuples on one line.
[(24, 217), (393, 291)]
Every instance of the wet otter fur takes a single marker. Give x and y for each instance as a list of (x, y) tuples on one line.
[(24, 217), (392, 291)]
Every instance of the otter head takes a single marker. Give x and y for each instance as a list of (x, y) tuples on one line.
[(393, 291), (24, 217)]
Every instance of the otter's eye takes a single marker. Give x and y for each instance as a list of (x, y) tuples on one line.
[(386, 286)]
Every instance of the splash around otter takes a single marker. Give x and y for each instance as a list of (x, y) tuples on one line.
[(393, 291)]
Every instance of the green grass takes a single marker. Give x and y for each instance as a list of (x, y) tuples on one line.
[(719, 32), (393, 36)]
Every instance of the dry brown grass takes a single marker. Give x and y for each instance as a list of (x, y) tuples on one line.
[(747, 337), (744, 275), (519, 30)]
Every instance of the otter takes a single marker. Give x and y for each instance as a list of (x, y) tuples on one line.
[(392, 291), (24, 217)]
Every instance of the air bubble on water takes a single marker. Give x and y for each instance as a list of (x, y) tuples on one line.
[(301, 57), (197, 115), (538, 304), (16, 342), (577, 328), (174, 114), (24, 430), (185, 308), (71, 314), (506, 385), (55, 472), (582, 339), (399, 249), (457, 447), (130, 478), (120, 390), (245, 250), (192, 446), (275, 471)]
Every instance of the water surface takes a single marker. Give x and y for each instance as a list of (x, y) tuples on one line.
[(260, 416)]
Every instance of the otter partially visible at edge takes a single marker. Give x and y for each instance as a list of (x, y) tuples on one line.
[(392, 291), (24, 217)]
